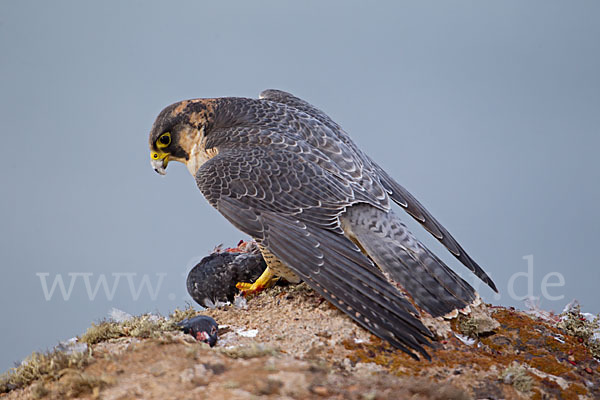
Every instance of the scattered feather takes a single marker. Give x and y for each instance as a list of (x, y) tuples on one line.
[(250, 333), (240, 302), (71, 346), (465, 339), (119, 315)]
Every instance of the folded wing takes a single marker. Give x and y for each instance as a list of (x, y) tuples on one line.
[(299, 223), (397, 192)]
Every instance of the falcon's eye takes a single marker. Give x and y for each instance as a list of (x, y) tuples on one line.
[(164, 140)]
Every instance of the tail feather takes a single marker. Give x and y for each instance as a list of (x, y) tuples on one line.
[(386, 240)]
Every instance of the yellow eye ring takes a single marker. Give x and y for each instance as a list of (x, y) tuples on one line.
[(164, 140)]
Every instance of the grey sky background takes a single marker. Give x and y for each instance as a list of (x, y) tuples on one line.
[(488, 112)]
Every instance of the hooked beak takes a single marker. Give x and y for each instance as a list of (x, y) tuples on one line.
[(159, 162)]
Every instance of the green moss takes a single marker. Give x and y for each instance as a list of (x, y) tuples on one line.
[(101, 332), (39, 365), (468, 327), (477, 325), (575, 324), (594, 347), (144, 326), (517, 376), (179, 315)]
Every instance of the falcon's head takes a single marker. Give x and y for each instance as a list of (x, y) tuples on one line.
[(178, 134)]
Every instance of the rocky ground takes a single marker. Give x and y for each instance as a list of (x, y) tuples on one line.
[(288, 343)]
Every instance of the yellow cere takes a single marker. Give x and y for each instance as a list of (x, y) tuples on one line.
[(162, 142)]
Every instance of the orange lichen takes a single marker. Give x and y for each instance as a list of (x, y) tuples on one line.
[(520, 338), (536, 395), (548, 365), (573, 392)]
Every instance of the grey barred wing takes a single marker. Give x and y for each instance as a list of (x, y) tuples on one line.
[(291, 206), (398, 193)]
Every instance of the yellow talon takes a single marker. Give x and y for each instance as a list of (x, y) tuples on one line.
[(266, 280)]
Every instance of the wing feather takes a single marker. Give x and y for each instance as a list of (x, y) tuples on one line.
[(367, 298), (309, 240), (398, 193)]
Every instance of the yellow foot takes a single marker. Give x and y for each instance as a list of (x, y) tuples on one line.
[(266, 280)]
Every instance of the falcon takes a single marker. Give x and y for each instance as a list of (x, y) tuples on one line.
[(285, 173)]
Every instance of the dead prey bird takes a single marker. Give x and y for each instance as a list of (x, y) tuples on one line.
[(213, 280), (202, 327)]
